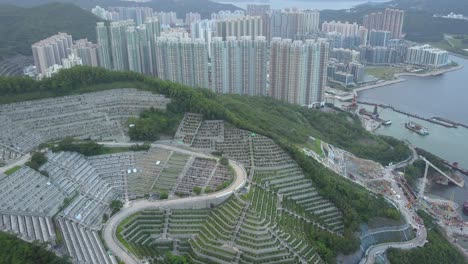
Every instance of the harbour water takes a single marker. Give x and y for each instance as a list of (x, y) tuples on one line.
[(445, 96), (304, 4)]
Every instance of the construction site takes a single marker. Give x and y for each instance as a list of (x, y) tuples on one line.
[(390, 182)]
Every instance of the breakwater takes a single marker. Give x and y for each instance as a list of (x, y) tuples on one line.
[(435, 120)]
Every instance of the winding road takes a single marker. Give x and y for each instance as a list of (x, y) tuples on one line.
[(204, 201), (372, 251)]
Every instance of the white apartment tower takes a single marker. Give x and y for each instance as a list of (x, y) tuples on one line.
[(104, 51), (133, 50), (87, 51), (118, 41), (183, 61), (294, 24), (239, 27), (239, 66), (298, 71)]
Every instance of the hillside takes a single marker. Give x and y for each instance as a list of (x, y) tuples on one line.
[(435, 6), (15, 251), (21, 27), (181, 7), (419, 24), (288, 125)]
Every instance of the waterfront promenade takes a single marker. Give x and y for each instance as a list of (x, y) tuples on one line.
[(399, 78)]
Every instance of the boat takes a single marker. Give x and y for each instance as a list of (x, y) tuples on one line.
[(417, 128), (465, 207), (387, 123)]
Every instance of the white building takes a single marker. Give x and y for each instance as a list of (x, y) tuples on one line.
[(239, 66), (71, 61), (298, 71), (426, 55), (182, 60), (87, 51)]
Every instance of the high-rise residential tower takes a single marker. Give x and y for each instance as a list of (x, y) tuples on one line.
[(393, 22), (118, 43), (182, 60), (294, 24), (390, 20), (51, 51), (205, 30), (133, 49), (87, 51), (104, 51), (379, 38), (428, 56), (298, 71), (153, 31), (239, 66), (352, 35), (239, 27)]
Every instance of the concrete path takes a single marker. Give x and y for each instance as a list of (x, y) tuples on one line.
[(19, 162)]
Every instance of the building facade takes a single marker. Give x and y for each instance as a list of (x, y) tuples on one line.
[(87, 51), (298, 71), (390, 20), (182, 60), (426, 55), (379, 38), (294, 24), (51, 51), (239, 66)]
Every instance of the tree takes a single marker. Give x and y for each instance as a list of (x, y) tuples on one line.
[(37, 160), (163, 195), (224, 161), (197, 190), (116, 205), (87, 148), (15, 251)]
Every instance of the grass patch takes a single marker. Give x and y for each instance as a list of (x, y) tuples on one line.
[(12, 170), (120, 228), (456, 44), (383, 73), (316, 146), (113, 150)]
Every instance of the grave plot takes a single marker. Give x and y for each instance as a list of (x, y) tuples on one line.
[(92, 195), (150, 233), (146, 168), (113, 169), (188, 128), (99, 116), (210, 131), (28, 200), (300, 196), (175, 167), (83, 244), (237, 145)]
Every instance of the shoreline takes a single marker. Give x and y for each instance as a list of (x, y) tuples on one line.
[(399, 80)]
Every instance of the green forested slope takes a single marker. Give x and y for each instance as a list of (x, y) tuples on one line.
[(21, 27), (15, 251), (437, 251)]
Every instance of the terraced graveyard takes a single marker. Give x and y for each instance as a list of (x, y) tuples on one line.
[(99, 115), (264, 225)]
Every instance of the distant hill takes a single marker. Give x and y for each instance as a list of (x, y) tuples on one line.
[(21, 27), (419, 25), (434, 6), (181, 7)]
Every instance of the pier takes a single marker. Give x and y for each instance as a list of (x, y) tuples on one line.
[(434, 120)]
